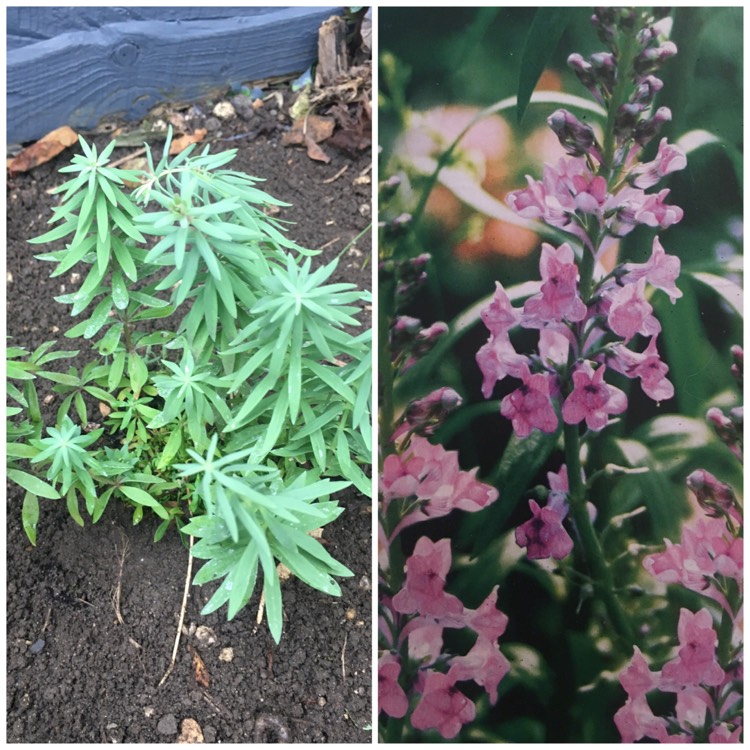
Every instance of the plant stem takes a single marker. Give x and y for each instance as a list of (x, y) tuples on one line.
[(592, 550), (385, 317)]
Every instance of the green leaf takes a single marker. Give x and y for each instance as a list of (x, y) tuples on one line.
[(32, 484), (170, 449), (30, 515), (72, 503), (137, 372), (120, 294), (116, 370), (521, 460), (541, 42), (141, 497)]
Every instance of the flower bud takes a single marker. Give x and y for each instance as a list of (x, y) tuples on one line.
[(738, 356), (425, 415), (652, 58), (647, 130), (715, 497), (576, 137)]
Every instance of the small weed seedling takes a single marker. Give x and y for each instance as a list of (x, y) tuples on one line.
[(239, 422)]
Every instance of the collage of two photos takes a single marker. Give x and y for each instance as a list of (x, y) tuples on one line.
[(374, 342)]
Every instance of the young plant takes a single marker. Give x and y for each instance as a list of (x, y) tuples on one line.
[(239, 420)]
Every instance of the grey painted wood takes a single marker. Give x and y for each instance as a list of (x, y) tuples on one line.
[(74, 66)]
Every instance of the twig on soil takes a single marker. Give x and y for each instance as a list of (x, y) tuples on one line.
[(46, 620), (83, 601), (337, 175), (182, 616), (128, 157), (118, 588), (329, 243), (343, 657)]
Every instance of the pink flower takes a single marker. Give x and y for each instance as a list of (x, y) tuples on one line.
[(559, 299), (696, 662), (500, 316), (496, 359), (637, 679), (543, 535), (487, 621), (630, 313), (635, 720), (706, 550), (592, 399), (631, 207), (724, 733), (425, 637), (670, 158), (442, 706), (392, 699), (426, 571), (484, 664), (530, 405), (432, 475), (647, 366), (692, 704), (660, 270)]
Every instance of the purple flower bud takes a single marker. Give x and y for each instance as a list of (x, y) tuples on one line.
[(576, 137), (652, 58), (646, 90), (425, 415), (408, 325), (737, 365), (434, 332), (626, 120), (723, 426), (715, 497)]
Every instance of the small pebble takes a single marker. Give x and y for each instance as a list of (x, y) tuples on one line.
[(167, 724), (322, 701), (149, 711), (224, 111), (205, 636), (212, 123), (37, 647), (226, 654)]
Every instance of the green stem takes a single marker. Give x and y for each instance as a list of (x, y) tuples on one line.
[(619, 94), (385, 317), (592, 550), (393, 730)]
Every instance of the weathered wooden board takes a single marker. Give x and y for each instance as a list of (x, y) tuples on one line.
[(74, 66)]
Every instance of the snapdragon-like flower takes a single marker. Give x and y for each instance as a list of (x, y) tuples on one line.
[(592, 399), (442, 706), (426, 571), (530, 406), (543, 534), (392, 699)]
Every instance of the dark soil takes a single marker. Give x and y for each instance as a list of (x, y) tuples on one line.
[(75, 674)]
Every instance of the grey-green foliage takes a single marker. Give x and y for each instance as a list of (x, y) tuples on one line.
[(237, 421)]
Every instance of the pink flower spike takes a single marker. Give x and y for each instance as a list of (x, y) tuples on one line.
[(426, 571), (392, 699), (696, 662), (484, 664), (543, 534), (592, 399), (660, 270), (559, 298), (442, 707), (630, 313), (500, 316), (530, 406)]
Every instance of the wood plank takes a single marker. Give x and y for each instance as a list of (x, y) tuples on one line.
[(125, 68)]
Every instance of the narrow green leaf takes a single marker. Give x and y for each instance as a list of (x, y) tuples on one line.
[(141, 497), (72, 503), (32, 484), (137, 372), (30, 515), (546, 30)]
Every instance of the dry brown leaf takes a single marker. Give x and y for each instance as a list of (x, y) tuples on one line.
[(315, 152), (44, 149), (181, 143), (202, 677), (104, 409), (317, 127)]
